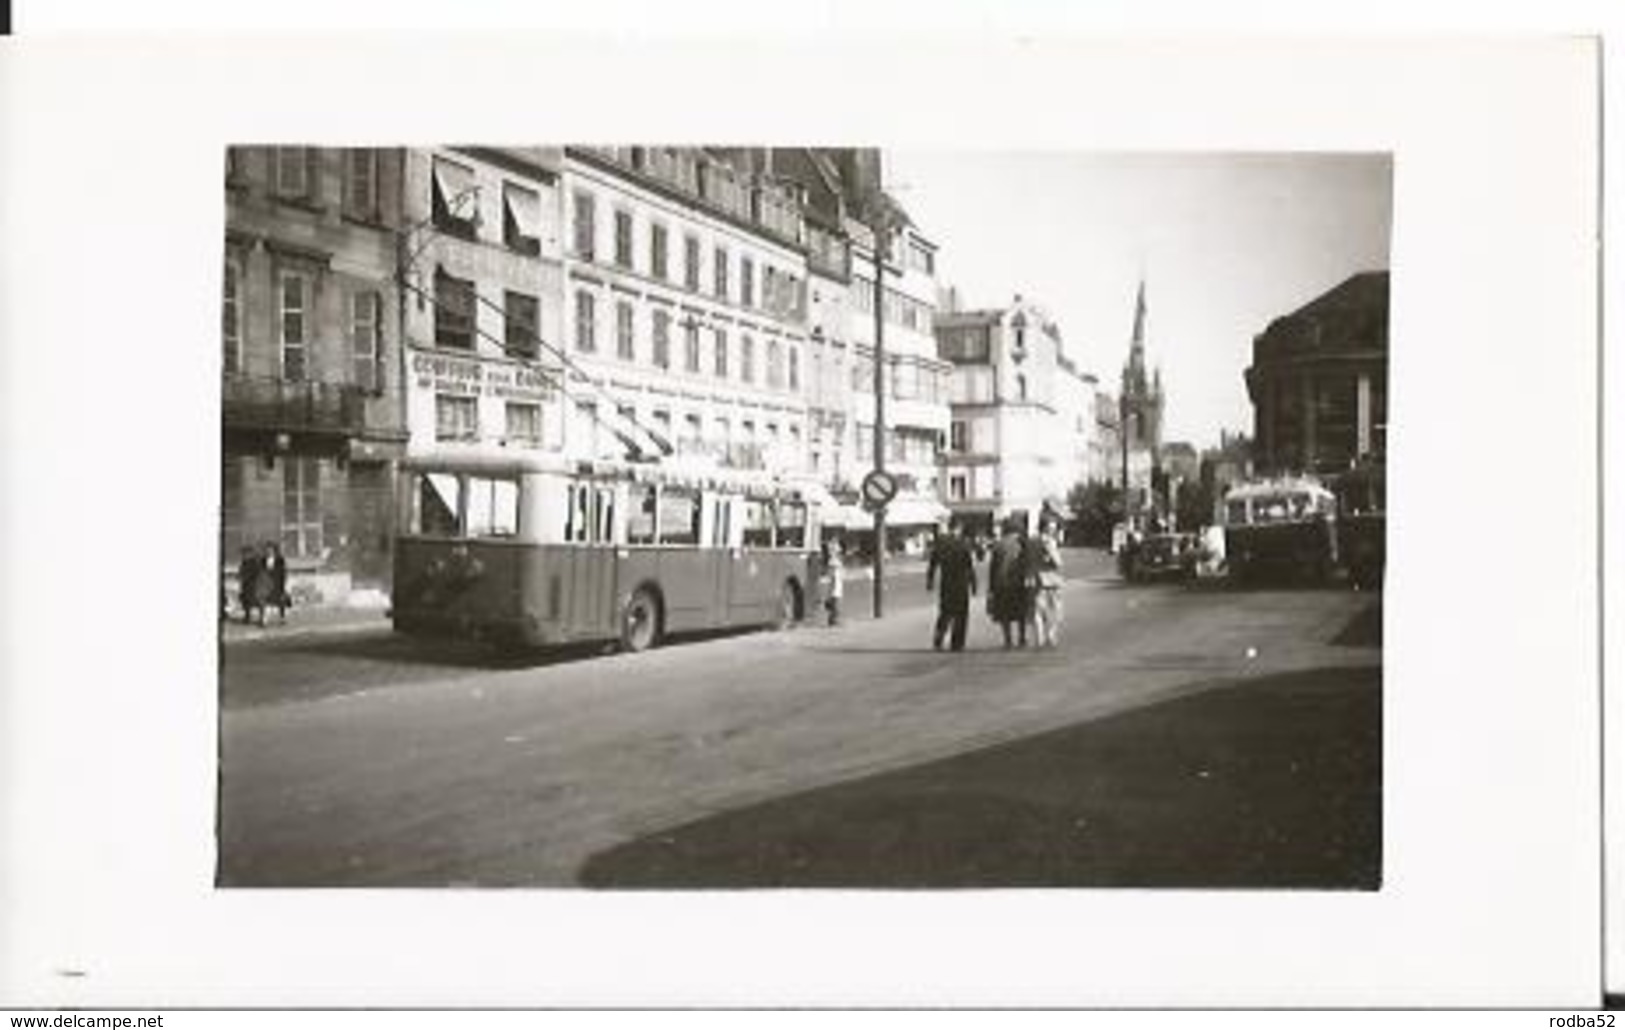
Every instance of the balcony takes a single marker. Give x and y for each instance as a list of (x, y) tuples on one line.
[(277, 404)]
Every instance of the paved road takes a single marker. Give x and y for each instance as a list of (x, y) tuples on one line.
[(371, 761)]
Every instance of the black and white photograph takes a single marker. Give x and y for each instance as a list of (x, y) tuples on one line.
[(659, 516), (998, 520)]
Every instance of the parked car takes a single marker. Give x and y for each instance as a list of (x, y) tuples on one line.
[(1160, 556)]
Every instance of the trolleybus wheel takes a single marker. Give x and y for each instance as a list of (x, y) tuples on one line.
[(640, 625)]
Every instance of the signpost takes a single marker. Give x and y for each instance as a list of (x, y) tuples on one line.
[(879, 487)]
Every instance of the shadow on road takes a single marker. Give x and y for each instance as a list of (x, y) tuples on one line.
[(1275, 782)]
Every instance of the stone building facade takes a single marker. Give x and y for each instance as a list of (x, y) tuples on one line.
[(1319, 382), (481, 286), (1023, 416), (311, 416), (686, 301)]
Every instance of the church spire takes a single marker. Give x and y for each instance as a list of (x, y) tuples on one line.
[(1134, 370), (1139, 319)]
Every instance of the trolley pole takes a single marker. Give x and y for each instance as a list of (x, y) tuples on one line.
[(880, 402)]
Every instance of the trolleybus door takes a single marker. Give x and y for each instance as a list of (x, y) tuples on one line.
[(586, 565), (721, 550), (753, 589)]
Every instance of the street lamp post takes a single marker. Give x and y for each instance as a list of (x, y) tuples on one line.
[(880, 232), (1122, 438)]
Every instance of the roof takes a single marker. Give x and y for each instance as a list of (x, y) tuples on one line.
[(1351, 317), (1362, 292), (1270, 487)]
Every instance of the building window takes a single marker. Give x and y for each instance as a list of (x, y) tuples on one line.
[(454, 200), (453, 312), (662, 339), (231, 334), (1021, 387), (293, 178), (957, 433), (747, 282), (624, 347), (795, 369), (691, 442), (957, 487), (456, 417), (295, 308), (691, 346), (361, 183), (623, 238), (920, 258), (302, 507), (366, 340), (863, 295), (722, 354), (586, 327), (521, 323), (775, 365), (657, 251), (691, 263), (719, 270), (585, 227), (521, 219), (524, 422), (747, 359)]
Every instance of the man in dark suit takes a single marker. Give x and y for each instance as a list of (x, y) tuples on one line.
[(953, 571)]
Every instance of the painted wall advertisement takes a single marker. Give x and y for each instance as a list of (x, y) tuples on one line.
[(474, 377)]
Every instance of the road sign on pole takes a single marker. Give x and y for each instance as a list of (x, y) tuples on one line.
[(879, 487)]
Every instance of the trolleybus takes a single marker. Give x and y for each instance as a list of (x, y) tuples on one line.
[(540, 550), (1286, 526)]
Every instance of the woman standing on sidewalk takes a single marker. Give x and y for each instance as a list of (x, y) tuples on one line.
[(1047, 572), (1008, 598)]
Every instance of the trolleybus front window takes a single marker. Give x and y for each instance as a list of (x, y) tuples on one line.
[(438, 494), (493, 507)]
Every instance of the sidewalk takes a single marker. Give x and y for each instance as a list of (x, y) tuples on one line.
[(306, 621)]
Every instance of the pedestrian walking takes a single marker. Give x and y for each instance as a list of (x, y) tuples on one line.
[(1046, 560), (1008, 595), (953, 571), (250, 572), (276, 582), (834, 577)]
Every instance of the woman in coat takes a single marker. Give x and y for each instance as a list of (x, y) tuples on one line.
[(276, 582), (1008, 597), (1046, 562)]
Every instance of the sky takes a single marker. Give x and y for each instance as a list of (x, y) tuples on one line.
[(1225, 243)]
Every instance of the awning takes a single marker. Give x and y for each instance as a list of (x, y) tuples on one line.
[(525, 208), (915, 511), (846, 516), (453, 180)]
